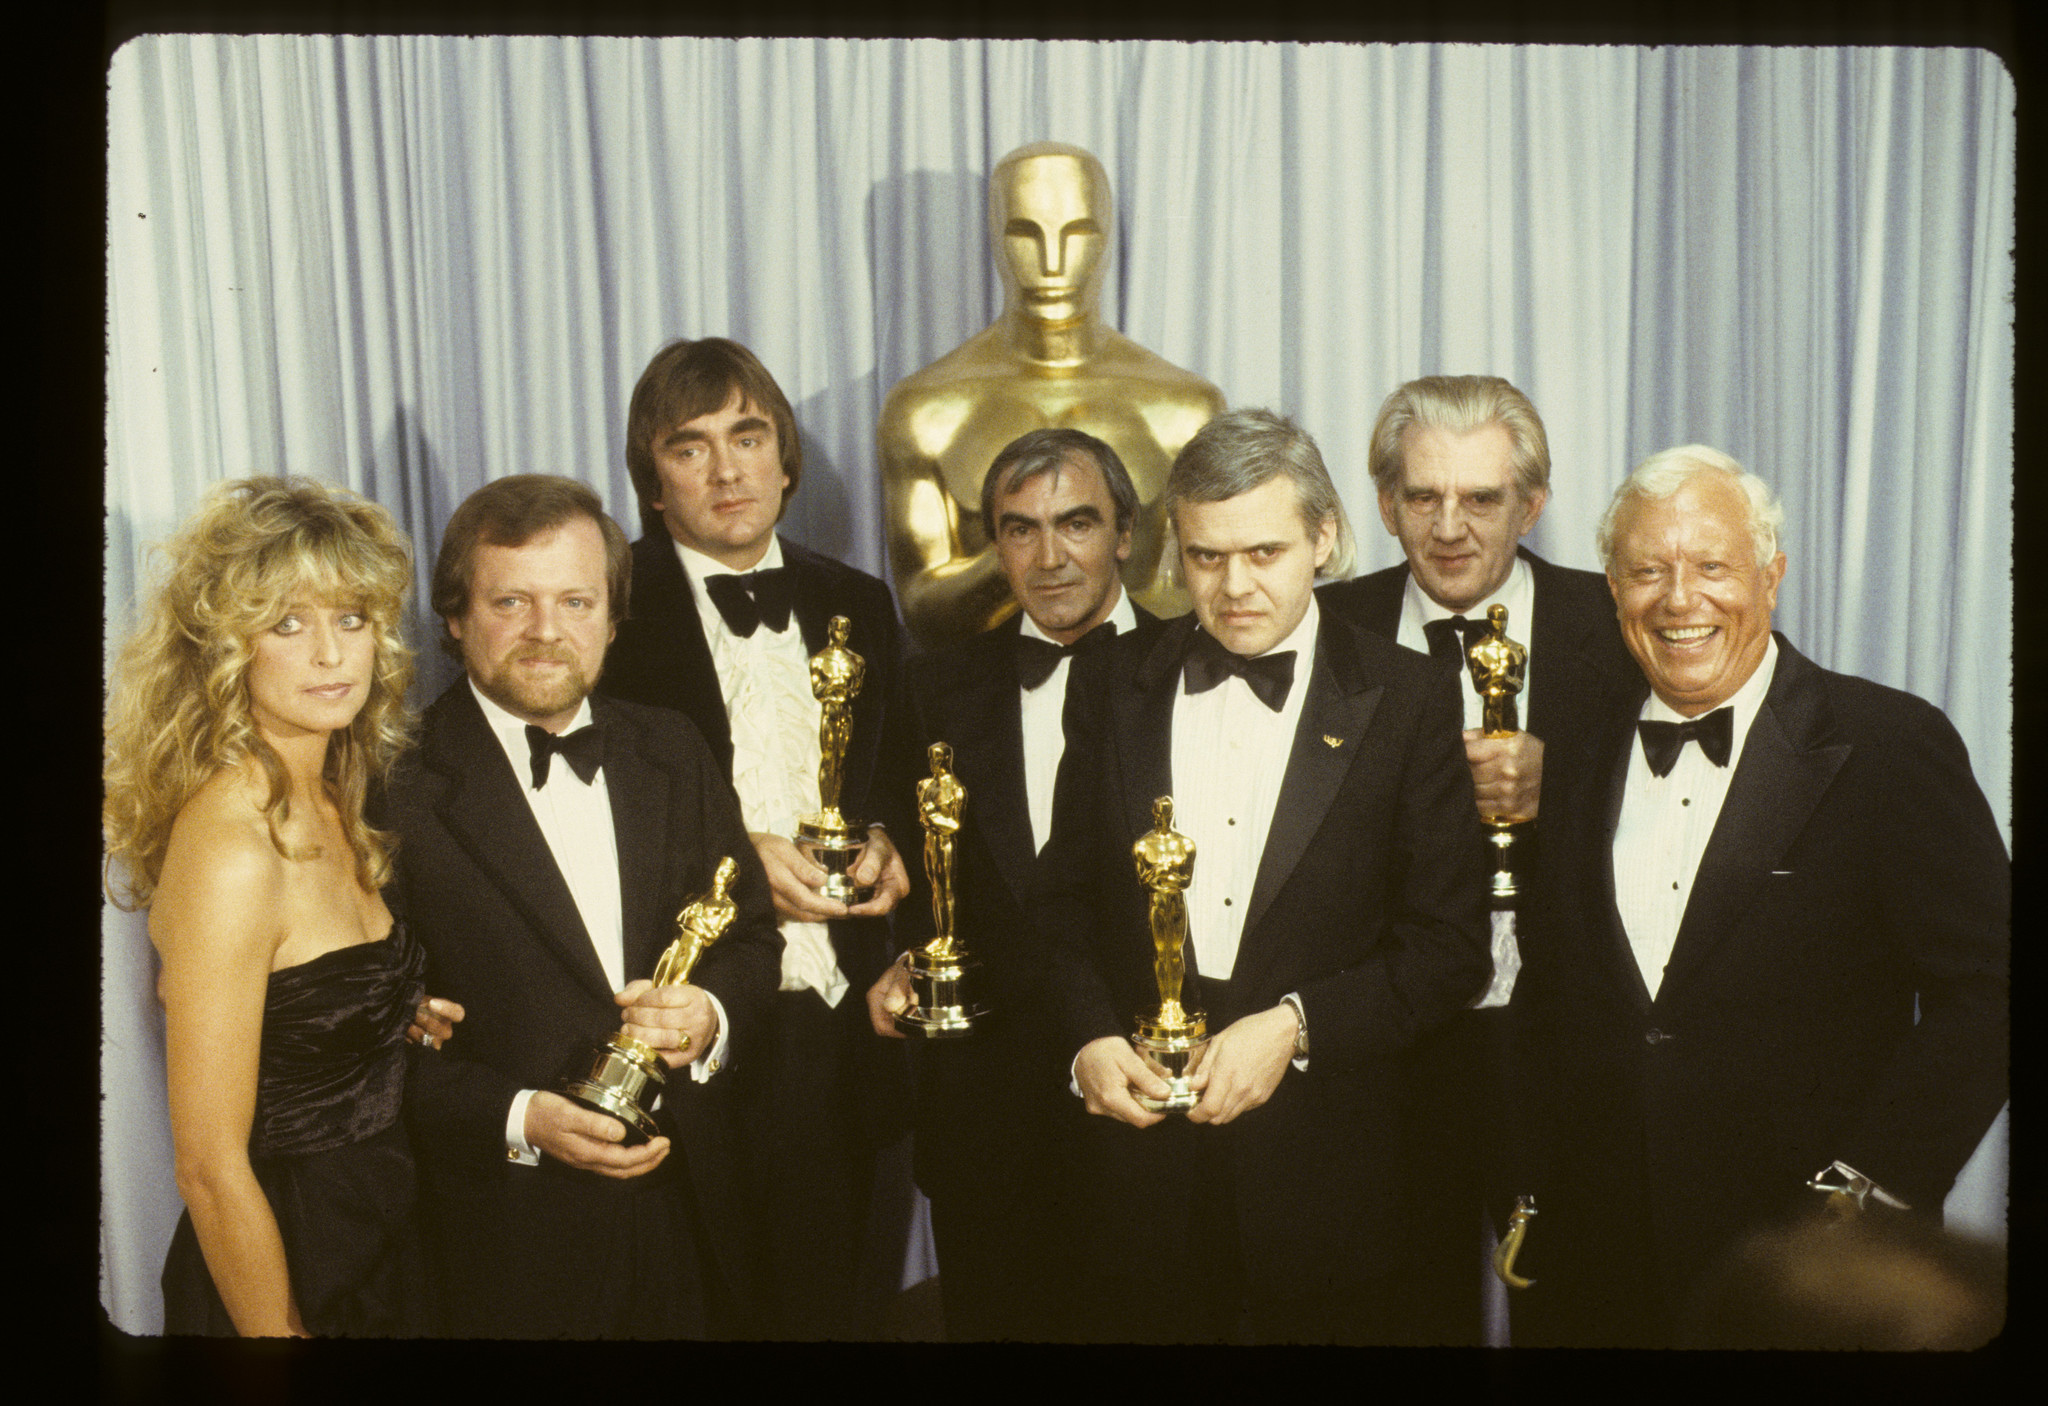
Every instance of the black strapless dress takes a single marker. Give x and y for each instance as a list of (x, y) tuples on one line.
[(329, 1149)]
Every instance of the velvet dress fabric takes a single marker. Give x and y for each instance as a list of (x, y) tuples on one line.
[(329, 1150)]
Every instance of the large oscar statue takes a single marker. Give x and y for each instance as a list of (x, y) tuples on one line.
[(1173, 1039), (1049, 360), (941, 1007), (1498, 666), (830, 840), (625, 1073)]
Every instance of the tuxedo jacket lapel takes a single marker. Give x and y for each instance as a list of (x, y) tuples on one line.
[(1373, 601), (639, 789), (1608, 934), (1143, 719), (1778, 781), (486, 814), (1554, 654), (1573, 677), (987, 720), (1334, 716), (662, 595)]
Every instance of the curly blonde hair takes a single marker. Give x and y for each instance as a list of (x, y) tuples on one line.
[(179, 708)]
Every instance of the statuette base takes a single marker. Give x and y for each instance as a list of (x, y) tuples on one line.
[(1501, 835), (1176, 1049), (835, 845), (621, 1071), (945, 1009)]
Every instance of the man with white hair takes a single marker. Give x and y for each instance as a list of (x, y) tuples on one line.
[(1769, 961), (1461, 469)]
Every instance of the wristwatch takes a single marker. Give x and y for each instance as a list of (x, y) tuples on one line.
[(1293, 1002)]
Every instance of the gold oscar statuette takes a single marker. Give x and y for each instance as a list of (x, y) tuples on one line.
[(827, 838), (1172, 1040), (1498, 666), (1049, 359), (939, 970), (623, 1069)]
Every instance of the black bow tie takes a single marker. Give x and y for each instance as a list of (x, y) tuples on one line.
[(1037, 658), (1661, 741), (748, 602), (1269, 676), (582, 749), (1450, 637)]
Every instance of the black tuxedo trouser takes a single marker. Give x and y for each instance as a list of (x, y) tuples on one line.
[(1455, 1109), (1169, 1263), (1006, 1268), (586, 1257), (810, 1165)]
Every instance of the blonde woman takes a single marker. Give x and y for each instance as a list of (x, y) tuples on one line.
[(262, 692)]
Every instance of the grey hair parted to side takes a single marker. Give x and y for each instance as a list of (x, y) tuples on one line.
[(1241, 449)]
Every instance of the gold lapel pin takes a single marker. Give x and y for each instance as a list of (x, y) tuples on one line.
[(1333, 741)]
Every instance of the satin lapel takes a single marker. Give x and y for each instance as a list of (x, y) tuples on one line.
[(486, 814), (1608, 936), (812, 610), (1573, 676), (1554, 655), (1340, 704), (664, 593), (641, 795), (1142, 714), (983, 719), (1383, 606), (1779, 779)]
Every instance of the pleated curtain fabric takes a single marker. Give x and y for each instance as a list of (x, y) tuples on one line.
[(415, 264)]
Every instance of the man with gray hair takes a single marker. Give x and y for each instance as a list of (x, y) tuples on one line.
[(995, 1129), (1461, 466), (1762, 966), (1335, 914)]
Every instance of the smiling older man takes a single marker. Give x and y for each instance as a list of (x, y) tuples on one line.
[(1771, 943)]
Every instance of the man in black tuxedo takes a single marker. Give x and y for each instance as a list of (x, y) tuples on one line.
[(1776, 954), (995, 1124), (1462, 469), (547, 841), (726, 615), (1336, 914)]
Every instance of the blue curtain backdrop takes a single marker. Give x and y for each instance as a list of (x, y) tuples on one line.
[(413, 265)]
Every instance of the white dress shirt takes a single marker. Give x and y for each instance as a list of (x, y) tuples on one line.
[(1666, 822), (1517, 593), (1229, 759), (1043, 709), (575, 818), (765, 679)]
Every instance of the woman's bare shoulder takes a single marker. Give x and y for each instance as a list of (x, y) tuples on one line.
[(222, 874)]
